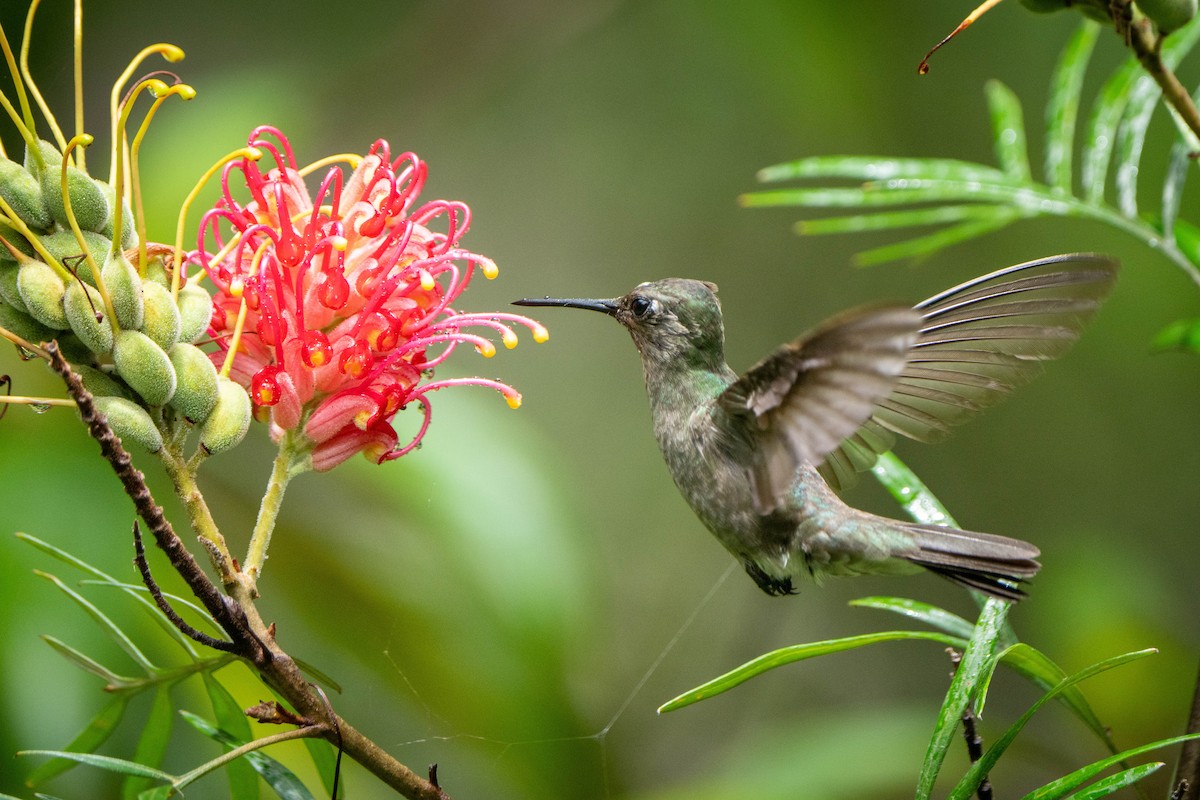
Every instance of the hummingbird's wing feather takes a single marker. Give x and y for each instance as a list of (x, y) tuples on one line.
[(978, 341), (796, 405)]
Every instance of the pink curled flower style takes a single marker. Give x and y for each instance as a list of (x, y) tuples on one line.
[(338, 309)]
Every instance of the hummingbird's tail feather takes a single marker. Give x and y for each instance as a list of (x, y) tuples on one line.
[(995, 565)]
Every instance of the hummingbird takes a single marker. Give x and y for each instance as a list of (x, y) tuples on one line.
[(760, 457)]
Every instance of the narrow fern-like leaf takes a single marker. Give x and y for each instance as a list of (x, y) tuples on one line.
[(938, 240), (878, 168), (1062, 110), (970, 782), (152, 743), (111, 628), (886, 220), (88, 740), (1008, 131), (1102, 129), (1115, 783), (243, 782), (975, 658)]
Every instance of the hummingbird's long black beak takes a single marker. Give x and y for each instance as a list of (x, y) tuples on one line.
[(603, 306)]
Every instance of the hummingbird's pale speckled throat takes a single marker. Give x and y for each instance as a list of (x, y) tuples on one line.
[(758, 456)]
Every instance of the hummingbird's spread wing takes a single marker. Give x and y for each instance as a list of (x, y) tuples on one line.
[(799, 403), (977, 342)]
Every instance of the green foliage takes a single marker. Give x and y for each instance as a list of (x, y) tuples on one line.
[(966, 200), (144, 778)]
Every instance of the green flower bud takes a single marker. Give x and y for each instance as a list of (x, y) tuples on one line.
[(97, 334), (197, 391), (131, 422), (226, 426), (100, 383), (23, 325), (51, 158), (42, 291), (21, 191), (14, 238), (195, 312), (63, 246), (8, 285), (1168, 15), (125, 288), (128, 230), (162, 315), (144, 366), (88, 203)]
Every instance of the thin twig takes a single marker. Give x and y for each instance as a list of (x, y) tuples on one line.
[(1187, 773), (139, 558), (1148, 49), (226, 613), (252, 639)]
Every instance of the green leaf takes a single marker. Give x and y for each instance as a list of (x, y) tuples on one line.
[(1056, 790), (243, 783), (1008, 131), (1172, 194), (88, 740), (910, 491), (908, 218), (923, 612), (85, 662), (1117, 782), (152, 744), (111, 628), (879, 168), (938, 240), (318, 675), (1044, 673), (1183, 334), (104, 579), (282, 780), (979, 770), (1062, 110), (1102, 128), (324, 758), (975, 658), (799, 652), (109, 763)]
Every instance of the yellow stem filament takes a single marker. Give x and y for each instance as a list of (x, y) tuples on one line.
[(979, 11), (83, 140), (341, 158), (236, 340), (170, 53), (252, 153), (5, 333), (19, 400), (16, 222), (139, 214), (78, 51), (22, 98), (33, 90), (158, 89)]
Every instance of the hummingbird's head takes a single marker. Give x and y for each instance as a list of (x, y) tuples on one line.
[(676, 321)]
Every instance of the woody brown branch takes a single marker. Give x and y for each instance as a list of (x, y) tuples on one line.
[(250, 637)]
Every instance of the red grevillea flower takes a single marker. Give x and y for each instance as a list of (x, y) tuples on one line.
[(333, 312)]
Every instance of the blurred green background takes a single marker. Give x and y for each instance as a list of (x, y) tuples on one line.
[(492, 602)]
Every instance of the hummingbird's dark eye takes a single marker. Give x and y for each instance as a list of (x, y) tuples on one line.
[(641, 306)]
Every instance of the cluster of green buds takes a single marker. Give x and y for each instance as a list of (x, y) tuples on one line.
[(66, 273), (75, 267)]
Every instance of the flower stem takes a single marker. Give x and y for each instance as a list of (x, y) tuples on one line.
[(199, 514), (281, 473)]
